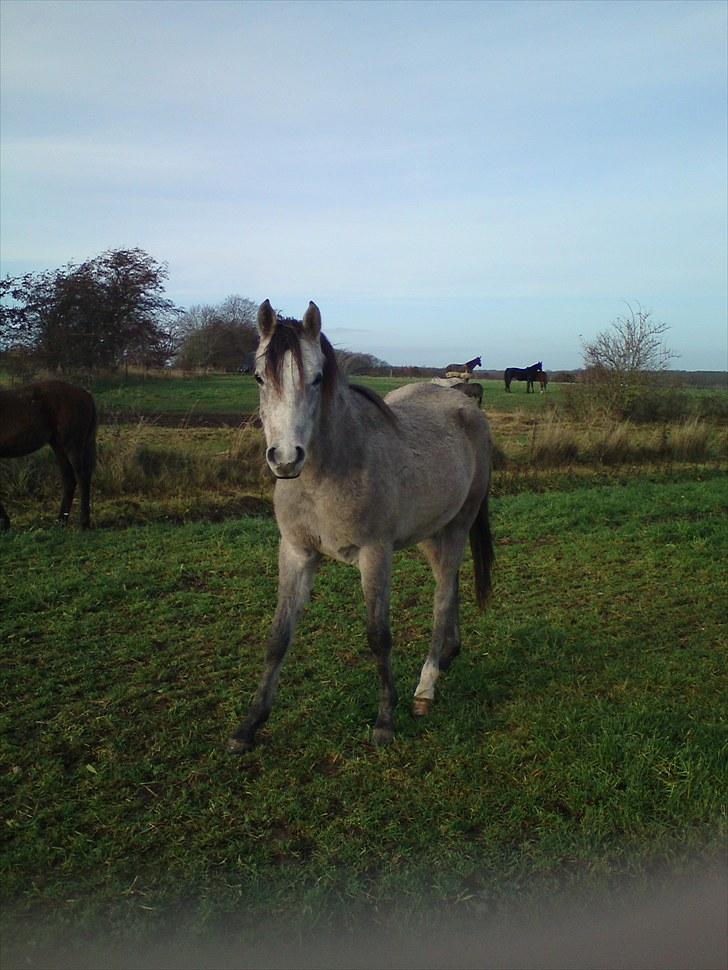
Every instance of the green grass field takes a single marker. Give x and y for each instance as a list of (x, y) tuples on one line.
[(582, 735), (234, 396), (238, 394)]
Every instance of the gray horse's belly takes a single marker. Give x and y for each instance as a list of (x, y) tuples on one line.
[(425, 513)]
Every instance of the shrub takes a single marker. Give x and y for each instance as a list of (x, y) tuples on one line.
[(643, 404), (713, 406), (651, 404)]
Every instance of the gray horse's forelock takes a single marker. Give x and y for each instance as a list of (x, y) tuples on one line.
[(284, 338), (287, 337)]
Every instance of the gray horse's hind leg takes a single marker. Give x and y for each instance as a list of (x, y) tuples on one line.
[(451, 641), (296, 572), (444, 553), (375, 565)]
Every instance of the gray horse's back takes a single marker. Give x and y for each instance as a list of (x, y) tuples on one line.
[(437, 412), (439, 406), (446, 441), (400, 478)]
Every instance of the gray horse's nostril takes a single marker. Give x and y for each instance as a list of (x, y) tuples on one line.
[(275, 461)]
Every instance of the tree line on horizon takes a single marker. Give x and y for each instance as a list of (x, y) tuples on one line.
[(110, 312)]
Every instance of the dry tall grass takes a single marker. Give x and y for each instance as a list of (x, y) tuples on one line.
[(142, 459), (554, 442), (159, 465)]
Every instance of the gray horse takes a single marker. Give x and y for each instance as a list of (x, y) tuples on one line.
[(357, 478)]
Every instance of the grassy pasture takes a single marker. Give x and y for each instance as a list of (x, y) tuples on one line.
[(238, 394), (582, 734), (235, 394)]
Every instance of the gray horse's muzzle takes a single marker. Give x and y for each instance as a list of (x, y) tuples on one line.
[(282, 468)]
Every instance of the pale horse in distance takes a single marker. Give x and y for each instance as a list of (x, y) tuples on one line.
[(357, 478)]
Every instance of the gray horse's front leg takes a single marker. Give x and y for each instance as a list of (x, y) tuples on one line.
[(375, 565), (296, 571)]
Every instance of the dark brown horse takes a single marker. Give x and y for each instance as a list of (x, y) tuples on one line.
[(60, 415), (527, 374)]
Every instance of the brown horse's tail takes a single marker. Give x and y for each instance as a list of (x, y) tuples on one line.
[(481, 547), (89, 449)]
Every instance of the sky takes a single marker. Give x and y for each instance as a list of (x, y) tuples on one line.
[(444, 179)]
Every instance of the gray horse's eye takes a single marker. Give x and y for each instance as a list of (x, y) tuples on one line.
[(317, 380)]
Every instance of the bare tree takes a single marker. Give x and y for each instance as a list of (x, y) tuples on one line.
[(352, 362), (220, 337), (624, 360), (632, 346)]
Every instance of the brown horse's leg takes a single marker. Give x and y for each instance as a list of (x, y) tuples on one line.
[(85, 511), (82, 468), (85, 470), (4, 520), (69, 483), (81, 461)]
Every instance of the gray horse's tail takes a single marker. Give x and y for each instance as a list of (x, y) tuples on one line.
[(481, 547)]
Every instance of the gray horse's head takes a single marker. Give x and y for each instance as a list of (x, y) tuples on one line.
[(295, 369)]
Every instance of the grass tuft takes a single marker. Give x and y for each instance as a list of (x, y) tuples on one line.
[(690, 441)]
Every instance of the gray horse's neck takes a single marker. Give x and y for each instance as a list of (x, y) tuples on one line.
[(338, 442)]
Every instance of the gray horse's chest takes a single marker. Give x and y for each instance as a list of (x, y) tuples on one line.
[(319, 521)]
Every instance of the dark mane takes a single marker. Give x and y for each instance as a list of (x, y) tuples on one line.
[(287, 336), (376, 400)]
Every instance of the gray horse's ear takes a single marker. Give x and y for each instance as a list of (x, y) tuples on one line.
[(267, 319), (312, 321)]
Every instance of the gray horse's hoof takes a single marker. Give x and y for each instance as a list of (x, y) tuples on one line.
[(382, 736), (239, 746), (421, 706)]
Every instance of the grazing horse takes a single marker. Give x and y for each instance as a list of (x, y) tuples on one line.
[(463, 371), (543, 380), (527, 374), (472, 390), (358, 477), (60, 415)]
